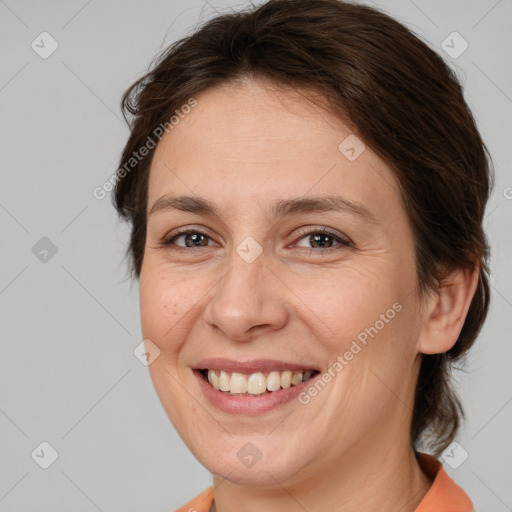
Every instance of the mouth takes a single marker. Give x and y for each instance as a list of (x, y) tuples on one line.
[(257, 383), (254, 387)]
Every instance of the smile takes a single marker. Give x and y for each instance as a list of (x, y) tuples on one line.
[(253, 387), (257, 383)]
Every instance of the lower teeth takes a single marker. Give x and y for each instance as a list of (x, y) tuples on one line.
[(248, 394)]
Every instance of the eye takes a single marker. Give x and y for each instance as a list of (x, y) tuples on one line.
[(192, 238), (323, 240)]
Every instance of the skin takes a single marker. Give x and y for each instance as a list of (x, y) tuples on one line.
[(244, 146)]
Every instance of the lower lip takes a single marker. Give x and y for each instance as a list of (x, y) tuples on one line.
[(250, 405)]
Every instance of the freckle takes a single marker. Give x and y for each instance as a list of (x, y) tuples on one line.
[(174, 308)]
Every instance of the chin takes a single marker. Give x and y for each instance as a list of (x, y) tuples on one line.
[(258, 476), (251, 462)]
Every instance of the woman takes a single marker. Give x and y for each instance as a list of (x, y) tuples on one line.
[(306, 187)]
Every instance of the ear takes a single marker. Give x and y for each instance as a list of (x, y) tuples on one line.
[(446, 310)]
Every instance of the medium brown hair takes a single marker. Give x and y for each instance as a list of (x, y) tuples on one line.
[(403, 101)]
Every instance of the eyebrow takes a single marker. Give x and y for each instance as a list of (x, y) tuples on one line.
[(280, 209)]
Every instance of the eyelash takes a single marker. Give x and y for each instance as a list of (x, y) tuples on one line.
[(342, 241)]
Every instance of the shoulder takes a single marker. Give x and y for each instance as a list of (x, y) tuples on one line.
[(444, 495)]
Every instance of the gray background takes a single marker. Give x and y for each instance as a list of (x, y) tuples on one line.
[(70, 323)]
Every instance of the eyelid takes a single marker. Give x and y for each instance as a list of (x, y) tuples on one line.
[(309, 230), (168, 238)]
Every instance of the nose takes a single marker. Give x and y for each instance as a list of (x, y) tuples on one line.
[(248, 301)]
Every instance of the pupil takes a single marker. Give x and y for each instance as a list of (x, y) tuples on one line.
[(190, 238), (315, 239)]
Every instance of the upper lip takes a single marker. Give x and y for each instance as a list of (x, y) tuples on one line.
[(253, 366)]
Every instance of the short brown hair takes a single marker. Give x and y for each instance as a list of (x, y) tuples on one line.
[(404, 102)]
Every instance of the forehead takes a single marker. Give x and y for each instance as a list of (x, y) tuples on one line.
[(253, 142)]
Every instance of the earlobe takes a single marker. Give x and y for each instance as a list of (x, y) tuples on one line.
[(446, 311)]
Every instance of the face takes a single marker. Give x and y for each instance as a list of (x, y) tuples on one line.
[(258, 277)]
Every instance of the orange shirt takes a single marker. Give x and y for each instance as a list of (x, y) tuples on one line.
[(443, 496)]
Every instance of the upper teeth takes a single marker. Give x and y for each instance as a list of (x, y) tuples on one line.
[(256, 383)]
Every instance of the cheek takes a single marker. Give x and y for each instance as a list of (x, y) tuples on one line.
[(163, 308), (353, 304), (371, 324)]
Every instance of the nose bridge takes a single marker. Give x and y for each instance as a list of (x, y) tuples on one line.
[(243, 279), (243, 298)]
